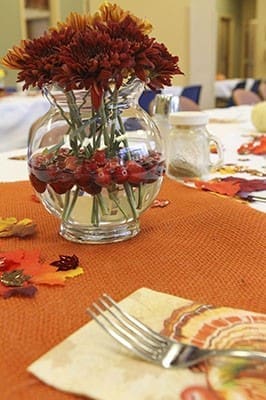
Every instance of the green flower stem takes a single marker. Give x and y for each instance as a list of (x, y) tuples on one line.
[(131, 199), (93, 129), (104, 124), (114, 199), (84, 100), (62, 112), (66, 205), (114, 118), (125, 142), (95, 210), (70, 204), (55, 197), (101, 204), (140, 196), (75, 118)]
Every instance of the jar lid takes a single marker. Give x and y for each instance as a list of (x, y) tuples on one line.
[(188, 118)]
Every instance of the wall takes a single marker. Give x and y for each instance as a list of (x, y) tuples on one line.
[(261, 40), (10, 33), (66, 6), (233, 9), (170, 21), (202, 48)]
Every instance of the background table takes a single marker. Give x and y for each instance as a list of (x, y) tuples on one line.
[(18, 112)]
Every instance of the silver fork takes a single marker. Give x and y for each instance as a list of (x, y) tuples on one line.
[(151, 346)]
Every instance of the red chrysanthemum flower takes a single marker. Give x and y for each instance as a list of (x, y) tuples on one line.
[(92, 52), (38, 58)]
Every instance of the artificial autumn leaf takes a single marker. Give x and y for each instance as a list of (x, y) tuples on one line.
[(256, 146), (233, 169), (25, 227), (14, 278), (25, 268), (160, 203), (38, 269), (217, 186), (11, 259), (232, 186), (6, 223), (56, 277), (12, 227), (227, 169), (66, 262), (247, 185), (25, 291)]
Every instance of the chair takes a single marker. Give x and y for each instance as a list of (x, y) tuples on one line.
[(244, 96), (262, 91), (146, 98), (186, 104), (255, 86), (192, 92), (239, 85)]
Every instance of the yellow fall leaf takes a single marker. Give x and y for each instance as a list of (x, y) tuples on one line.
[(12, 227)]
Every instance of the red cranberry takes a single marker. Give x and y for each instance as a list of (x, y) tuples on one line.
[(92, 188), (38, 185), (63, 183), (120, 174), (135, 172), (103, 177), (99, 157)]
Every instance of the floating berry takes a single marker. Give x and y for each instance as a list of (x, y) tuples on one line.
[(92, 188), (136, 172), (120, 174), (38, 185), (82, 175), (99, 157), (70, 163), (154, 173), (63, 183), (103, 177)]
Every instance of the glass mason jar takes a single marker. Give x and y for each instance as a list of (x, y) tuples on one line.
[(161, 107), (97, 170), (188, 146)]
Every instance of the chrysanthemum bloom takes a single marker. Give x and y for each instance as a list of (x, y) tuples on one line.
[(93, 51)]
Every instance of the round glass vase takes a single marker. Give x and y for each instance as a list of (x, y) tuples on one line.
[(96, 169)]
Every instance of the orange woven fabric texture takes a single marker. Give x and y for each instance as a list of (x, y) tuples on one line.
[(203, 247)]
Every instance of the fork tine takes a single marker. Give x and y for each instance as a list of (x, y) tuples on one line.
[(110, 331), (132, 325), (144, 329), (120, 334)]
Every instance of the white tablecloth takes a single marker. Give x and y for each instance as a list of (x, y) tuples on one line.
[(18, 112), (233, 127)]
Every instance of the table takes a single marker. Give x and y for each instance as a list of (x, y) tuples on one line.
[(203, 247), (18, 112), (224, 87)]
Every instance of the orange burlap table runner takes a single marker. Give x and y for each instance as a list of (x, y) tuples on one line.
[(201, 246)]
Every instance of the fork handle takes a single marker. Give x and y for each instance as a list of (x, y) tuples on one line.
[(239, 353), (190, 355)]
